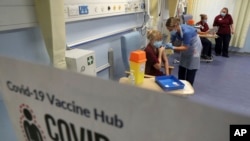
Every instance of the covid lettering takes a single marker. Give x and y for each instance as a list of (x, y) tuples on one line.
[(113, 121), (18, 89), (60, 130), (25, 91)]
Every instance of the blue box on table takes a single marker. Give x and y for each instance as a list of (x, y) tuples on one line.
[(169, 82)]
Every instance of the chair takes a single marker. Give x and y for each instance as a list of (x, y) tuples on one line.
[(186, 17), (130, 42)]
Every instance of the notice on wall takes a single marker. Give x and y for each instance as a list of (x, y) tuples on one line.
[(48, 104)]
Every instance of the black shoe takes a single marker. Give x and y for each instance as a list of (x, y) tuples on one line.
[(225, 56), (207, 57), (203, 57), (210, 57), (217, 54)]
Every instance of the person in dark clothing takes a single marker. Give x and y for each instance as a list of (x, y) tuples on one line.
[(224, 23), (155, 53), (207, 45)]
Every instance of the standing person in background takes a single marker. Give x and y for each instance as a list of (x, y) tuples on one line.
[(155, 53), (207, 45), (224, 23), (190, 48)]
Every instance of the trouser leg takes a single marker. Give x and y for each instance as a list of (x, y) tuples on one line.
[(204, 46), (226, 41), (218, 45), (182, 73), (186, 74), (191, 76), (209, 50), (207, 45)]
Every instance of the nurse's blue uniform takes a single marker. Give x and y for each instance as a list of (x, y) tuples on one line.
[(190, 58)]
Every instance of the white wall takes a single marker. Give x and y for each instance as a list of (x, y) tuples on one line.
[(212, 8)]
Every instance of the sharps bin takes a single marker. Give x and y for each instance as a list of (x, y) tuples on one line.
[(137, 62)]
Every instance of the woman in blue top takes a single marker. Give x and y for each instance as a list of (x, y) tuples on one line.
[(190, 49)]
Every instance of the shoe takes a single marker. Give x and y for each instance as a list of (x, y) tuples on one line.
[(203, 57), (225, 56), (206, 57), (210, 57), (176, 61), (217, 54)]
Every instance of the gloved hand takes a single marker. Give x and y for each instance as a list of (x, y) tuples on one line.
[(169, 46)]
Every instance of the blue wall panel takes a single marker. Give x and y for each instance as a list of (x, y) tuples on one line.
[(25, 44), (81, 30)]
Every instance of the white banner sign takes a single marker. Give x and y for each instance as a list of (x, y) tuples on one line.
[(47, 104)]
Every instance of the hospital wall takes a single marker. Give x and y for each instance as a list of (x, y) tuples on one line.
[(24, 44), (27, 44)]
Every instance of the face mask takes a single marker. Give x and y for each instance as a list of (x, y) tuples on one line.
[(173, 32), (204, 21), (222, 14), (157, 44)]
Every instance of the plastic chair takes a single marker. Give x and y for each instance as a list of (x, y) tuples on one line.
[(186, 17), (130, 42)]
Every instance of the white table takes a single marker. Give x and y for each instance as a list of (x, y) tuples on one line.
[(149, 83)]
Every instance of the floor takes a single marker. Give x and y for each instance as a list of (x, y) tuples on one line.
[(223, 83)]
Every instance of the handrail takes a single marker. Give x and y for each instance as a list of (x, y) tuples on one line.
[(109, 65)]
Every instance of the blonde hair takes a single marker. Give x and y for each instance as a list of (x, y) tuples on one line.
[(203, 16), (154, 35), (225, 8), (172, 21)]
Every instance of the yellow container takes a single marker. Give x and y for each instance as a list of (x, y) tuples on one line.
[(137, 66)]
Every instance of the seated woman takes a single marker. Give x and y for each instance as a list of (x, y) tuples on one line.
[(155, 54), (207, 45)]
